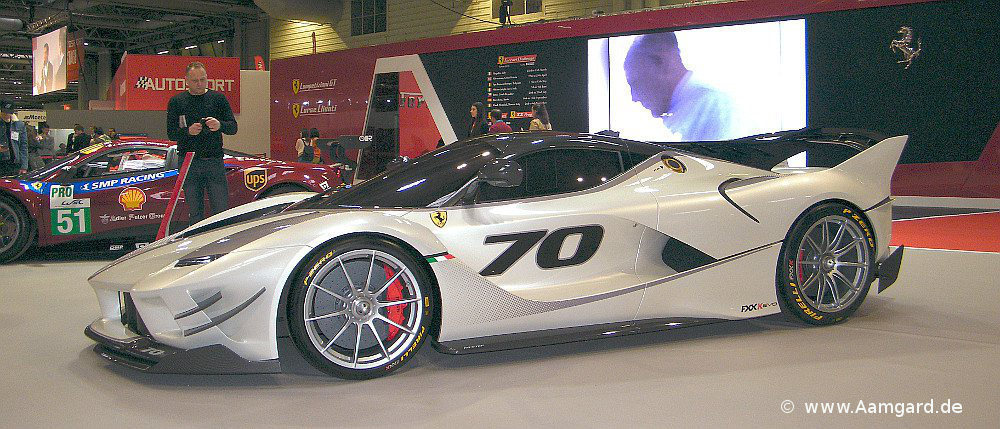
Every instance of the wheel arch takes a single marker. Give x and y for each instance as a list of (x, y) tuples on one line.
[(268, 192), (850, 205), (32, 222)]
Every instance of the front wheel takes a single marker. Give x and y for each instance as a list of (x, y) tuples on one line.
[(16, 230), (827, 264), (361, 308)]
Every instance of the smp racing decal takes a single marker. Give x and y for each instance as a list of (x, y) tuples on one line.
[(100, 184)]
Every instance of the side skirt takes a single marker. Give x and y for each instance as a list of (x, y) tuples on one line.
[(566, 335)]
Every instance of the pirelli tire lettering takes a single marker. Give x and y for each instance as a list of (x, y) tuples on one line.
[(824, 243)]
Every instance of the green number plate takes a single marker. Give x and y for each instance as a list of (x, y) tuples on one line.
[(70, 221)]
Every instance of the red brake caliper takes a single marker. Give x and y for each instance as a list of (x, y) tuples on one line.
[(394, 293)]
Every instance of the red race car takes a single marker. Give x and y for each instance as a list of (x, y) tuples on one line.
[(120, 191)]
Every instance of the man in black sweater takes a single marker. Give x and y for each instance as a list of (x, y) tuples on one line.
[(196, 120)]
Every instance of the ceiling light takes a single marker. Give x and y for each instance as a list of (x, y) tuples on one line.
[(191, 47), (222, 41), (163, 52)]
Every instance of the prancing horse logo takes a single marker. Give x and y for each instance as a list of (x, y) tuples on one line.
[(902, 45), (439, 218)]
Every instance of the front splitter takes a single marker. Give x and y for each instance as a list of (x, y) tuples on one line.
[(144, 354)]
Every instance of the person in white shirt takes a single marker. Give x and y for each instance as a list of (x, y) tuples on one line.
[(690, 108)]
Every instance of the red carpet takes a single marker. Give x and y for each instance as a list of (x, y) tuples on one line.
[(977, 232)]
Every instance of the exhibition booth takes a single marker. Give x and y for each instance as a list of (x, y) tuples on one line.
[(740, 170), (781, 68)]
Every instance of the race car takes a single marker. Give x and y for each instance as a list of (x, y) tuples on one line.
[(118, 192), (508, 241)]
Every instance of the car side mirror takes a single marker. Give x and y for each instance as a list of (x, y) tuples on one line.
[(502, 173)]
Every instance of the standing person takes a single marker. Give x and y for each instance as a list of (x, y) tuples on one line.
[(13, 142), (46, 76), (112, 134), (692, 109), (99, 136), (44, 146), (300, 144), (196, 120), (479, 126), (541, 118), (78, 140), (309, 151), (499, 126)]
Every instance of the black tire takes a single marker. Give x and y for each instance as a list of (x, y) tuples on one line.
[(823, 279), (380, 347), (17, 230), (282, 189)]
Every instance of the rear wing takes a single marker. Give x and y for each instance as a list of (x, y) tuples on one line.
[(824, 147)]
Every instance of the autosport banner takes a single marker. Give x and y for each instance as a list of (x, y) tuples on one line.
[(150, 80)]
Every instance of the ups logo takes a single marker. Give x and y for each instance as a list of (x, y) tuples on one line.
[(296, 84), (296, 109), (255, 178)]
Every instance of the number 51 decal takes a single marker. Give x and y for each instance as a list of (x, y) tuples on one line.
[(548, 252)]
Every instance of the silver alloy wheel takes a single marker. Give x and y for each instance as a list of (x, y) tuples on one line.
[(346, 309), (10, 226), (832, 263)]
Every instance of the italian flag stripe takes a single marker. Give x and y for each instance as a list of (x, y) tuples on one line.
[(446, 256)]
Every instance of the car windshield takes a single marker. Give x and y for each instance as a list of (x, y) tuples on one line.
[(418, 183)]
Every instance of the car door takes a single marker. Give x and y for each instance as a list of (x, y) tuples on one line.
[(127, 190), (563, 237)]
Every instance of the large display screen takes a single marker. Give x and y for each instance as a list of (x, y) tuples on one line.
[(48, 53), (700, 84)]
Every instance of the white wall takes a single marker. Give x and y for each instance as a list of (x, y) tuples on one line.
[(255, 114)]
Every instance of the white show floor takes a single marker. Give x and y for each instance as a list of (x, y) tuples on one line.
[(935, 334)]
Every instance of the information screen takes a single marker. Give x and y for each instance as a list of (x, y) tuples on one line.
[(701, 84), (48, 53), (515, 82)]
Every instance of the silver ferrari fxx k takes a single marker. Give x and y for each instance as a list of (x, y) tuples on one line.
[(508, 241)]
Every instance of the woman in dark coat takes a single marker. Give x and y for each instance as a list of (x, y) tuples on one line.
[(479, 125)]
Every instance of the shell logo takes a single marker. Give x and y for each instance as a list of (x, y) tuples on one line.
[(132, 199)]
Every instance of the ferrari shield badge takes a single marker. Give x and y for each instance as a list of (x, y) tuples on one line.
[(255, 178), (439, 218)]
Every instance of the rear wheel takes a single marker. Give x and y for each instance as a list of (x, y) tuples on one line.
[(360, 309), (827, 264), (16, 230)]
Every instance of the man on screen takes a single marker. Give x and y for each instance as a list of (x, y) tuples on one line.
[(47, 74), (691, 109)]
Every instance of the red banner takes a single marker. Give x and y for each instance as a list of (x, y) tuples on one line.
[(74, 55), (150, 80)]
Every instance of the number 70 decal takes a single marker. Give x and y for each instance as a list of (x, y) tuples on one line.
[(548, 252)]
